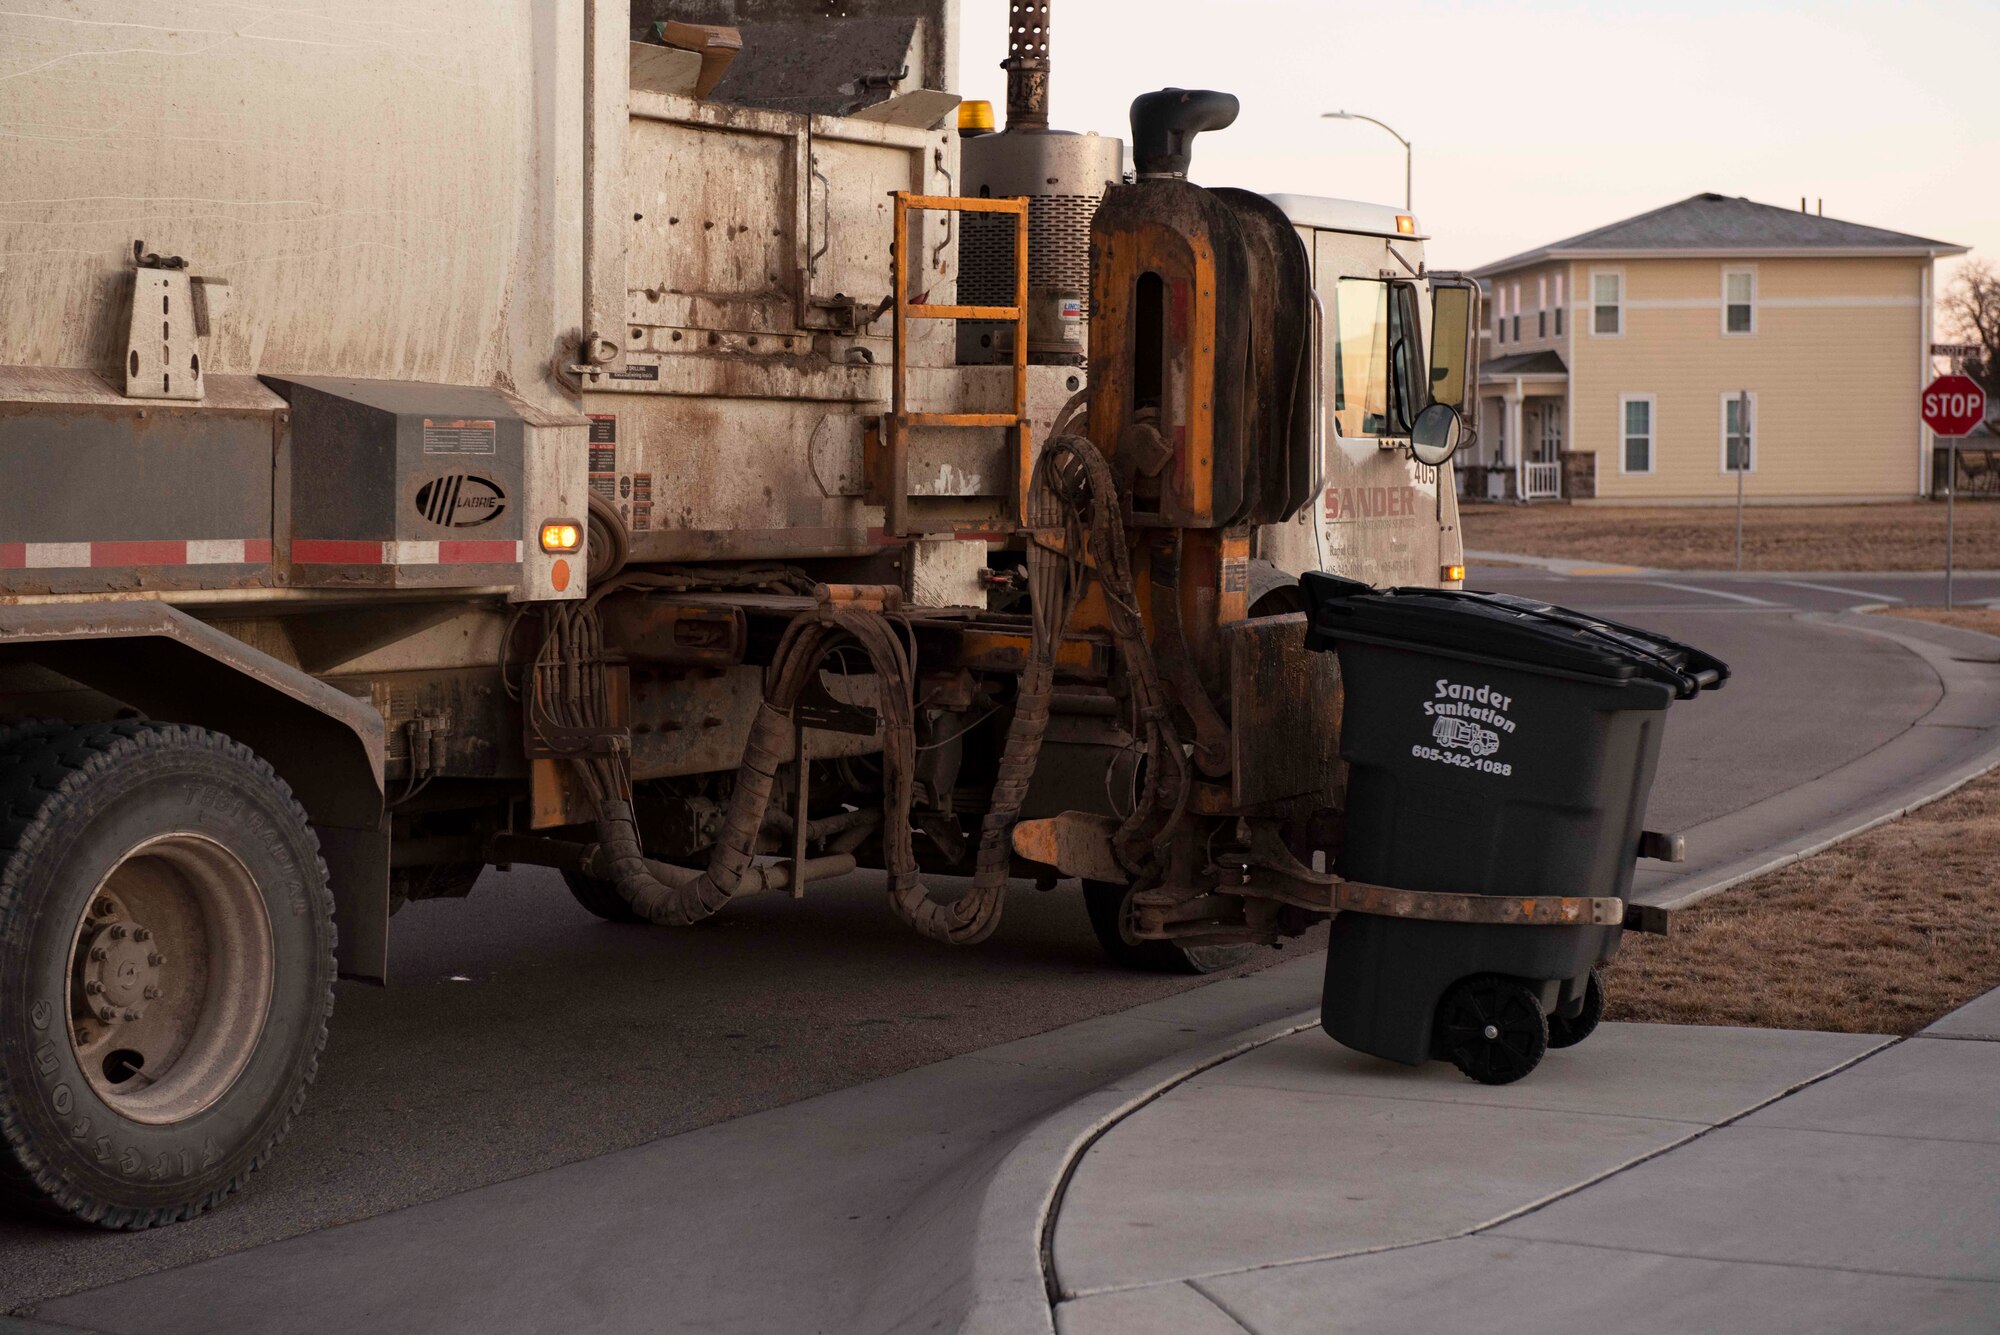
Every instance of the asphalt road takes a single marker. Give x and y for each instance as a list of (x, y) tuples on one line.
[(521, 1033)]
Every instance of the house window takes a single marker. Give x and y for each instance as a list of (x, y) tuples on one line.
[(1739, 432), (1542, 306), (1635, 420), (1515, 304), (1499, 314), (1607, 303), (1739, 301), (1559, 305)]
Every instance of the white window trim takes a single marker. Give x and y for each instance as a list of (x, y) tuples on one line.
[(1722, 430), (1652, 431), (1751, 271), (1591, 303)]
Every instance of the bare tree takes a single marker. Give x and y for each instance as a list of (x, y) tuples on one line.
[(1972, 314)]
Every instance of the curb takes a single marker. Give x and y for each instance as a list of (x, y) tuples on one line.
[(1961, 687), (1009, 1278)]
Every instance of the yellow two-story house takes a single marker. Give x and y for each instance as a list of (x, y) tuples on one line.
[(1637, 362)]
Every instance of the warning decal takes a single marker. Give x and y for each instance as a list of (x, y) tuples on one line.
[(460, 436), (642, 501), (604, 455)]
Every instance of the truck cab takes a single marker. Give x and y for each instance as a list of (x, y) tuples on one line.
[(1385, 517)]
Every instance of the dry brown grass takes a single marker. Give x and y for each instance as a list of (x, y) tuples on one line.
[(1984, 619), (1881, 934), (1789, 537)]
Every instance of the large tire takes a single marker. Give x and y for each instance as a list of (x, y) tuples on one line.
[(166, 969), (1109, 906)]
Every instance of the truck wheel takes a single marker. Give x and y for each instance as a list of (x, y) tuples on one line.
[(1110, 908), (600, 897), (166, 970), (1492, 1028), (1568, 1032)]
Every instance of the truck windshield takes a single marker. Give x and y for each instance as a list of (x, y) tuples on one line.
[(1376, 352)]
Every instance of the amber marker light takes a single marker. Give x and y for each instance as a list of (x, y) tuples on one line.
[(1405, 225), (561, 535), (1453, 574)]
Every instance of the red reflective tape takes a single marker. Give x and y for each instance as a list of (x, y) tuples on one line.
[(256, 549), (138, 553), (13, 556), (476, 553), (336, 552)]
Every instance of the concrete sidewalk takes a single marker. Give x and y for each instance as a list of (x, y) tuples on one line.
[(1655, 1178)]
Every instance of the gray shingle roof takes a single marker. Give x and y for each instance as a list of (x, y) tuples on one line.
[(1711, 222), (1524, 363)]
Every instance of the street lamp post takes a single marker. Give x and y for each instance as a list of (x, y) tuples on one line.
[(1407, 154)]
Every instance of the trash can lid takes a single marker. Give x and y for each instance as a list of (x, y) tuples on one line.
[(1501, 628)]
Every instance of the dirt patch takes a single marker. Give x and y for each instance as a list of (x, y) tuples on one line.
[(1881, 934), (1790, 537), (1984, 619)]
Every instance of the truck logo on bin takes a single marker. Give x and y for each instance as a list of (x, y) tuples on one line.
[(1468, 724), (461, 500), (1456, 732)]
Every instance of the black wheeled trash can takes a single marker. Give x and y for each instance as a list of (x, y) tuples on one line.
[(1500, 751)]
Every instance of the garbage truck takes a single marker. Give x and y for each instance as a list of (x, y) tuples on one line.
[(654, 441)]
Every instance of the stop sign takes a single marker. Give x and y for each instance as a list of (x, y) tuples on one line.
[(1953, 405)]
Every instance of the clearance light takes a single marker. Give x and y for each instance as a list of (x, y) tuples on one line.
[(1405, 225), (1452, 574), (975, 118), (561, 535)]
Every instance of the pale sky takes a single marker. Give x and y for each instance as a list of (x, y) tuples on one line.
[(1535, 121)]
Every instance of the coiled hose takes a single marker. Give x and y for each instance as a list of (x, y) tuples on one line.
[(1072, 490)]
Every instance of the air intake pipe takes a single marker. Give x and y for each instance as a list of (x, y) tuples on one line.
[(1165, 123)]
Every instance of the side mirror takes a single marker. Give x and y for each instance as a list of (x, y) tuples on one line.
[(1436, 434), (1454, 325)]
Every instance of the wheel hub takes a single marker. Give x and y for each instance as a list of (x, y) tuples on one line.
[(121, 972)]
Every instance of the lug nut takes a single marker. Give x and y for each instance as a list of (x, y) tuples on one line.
[(105, 908), (131, 1015), (116, 931), (152, 992), (93, 987), (106, 1014), (99, 953), (156, 959), (142, 934)]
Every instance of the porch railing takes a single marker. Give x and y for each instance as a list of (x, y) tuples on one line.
[(1544, 481)]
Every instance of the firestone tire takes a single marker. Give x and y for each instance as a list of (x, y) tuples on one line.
[(1568, 1032), (126, 1106), (1110, 910)]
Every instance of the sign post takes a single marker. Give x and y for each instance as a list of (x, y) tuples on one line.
[(1952, 406), (1739, 463)]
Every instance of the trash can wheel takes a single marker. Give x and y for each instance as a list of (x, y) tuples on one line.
[(1492, 1028), (1570, 1031)]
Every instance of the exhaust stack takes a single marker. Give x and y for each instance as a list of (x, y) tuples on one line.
[(1064, 177), (1027, 65)]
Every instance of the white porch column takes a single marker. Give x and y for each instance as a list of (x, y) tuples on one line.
[(1520, 441)]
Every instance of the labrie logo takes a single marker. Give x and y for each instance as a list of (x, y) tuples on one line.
[(461, 500)]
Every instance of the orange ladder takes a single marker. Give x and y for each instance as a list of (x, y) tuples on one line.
[(895, 480)]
